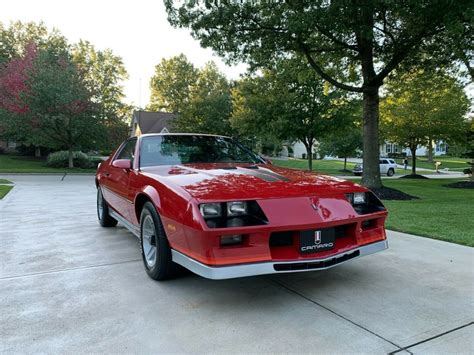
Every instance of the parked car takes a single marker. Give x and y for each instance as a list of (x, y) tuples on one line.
[(211, 205), (387, 166)]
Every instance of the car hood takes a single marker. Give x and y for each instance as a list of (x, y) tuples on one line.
[(207, 182)]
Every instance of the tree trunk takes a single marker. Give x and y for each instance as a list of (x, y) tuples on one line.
[(71, 160), (413, 158), (309, 151), (371, 173), (430, 150), (345, 163), (37, 152)]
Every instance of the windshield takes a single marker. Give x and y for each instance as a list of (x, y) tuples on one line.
[(189, 149)]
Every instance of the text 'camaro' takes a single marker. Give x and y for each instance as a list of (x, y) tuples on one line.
[(211, 205)]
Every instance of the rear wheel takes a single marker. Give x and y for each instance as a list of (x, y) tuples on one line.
[(390, 172), (105, 219), (156, 252)]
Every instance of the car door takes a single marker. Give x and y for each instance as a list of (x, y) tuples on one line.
[(117, 180), (383, 166)]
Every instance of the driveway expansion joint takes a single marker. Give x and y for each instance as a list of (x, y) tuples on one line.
[(68, 269), (432, 338), (342, 317)]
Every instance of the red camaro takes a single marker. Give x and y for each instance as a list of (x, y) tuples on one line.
[(211, 205)]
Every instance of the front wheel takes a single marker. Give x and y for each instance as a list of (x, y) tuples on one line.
[(156, 252), (390, 172), (105, 219)]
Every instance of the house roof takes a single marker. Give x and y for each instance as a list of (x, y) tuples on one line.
[(151, 122)]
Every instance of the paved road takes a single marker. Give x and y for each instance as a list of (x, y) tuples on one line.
[(68, 286)]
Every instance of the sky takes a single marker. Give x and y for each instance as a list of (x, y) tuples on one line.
[(138, 31)]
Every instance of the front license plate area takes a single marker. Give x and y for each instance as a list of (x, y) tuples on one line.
[(313, 241)]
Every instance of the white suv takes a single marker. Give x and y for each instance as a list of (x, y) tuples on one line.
[(387, 166)]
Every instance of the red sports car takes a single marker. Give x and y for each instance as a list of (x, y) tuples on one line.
[(209, 204)]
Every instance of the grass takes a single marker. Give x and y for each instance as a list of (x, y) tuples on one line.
[(440, 213), (4, 189), (457, 164), (22, 164), (329, 167)]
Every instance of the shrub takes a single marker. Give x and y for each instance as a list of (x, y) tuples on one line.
[(61, 160)]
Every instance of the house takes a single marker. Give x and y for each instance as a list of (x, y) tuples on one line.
[(439, 148), (144, 122)]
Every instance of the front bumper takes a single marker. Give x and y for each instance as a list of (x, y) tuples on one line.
[(274, 267)]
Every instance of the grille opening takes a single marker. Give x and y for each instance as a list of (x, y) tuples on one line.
[(316, 264), (281, 239), (341, 231)]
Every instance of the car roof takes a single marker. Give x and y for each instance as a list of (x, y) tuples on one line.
[(182, 134)]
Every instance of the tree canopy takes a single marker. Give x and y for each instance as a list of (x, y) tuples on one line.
[(422, 106), (57, 95), (171, 84), (200, 96), (288, 102), (352, 45)]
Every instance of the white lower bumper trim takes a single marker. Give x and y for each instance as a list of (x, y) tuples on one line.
[(234, 271)]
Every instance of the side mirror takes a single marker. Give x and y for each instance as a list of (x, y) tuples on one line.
[(122, 164)]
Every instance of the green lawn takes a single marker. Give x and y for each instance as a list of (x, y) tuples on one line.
[(440, 213), (458, 164), (330, 167), (21, 164), (5, 181), (4, 189)]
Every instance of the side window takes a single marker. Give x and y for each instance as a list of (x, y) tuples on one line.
[(127, 151)]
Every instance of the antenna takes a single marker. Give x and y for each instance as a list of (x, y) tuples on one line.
[(140, 94)]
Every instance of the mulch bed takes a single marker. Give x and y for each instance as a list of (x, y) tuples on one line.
[(461, 185), (387, 193), (413, 176)]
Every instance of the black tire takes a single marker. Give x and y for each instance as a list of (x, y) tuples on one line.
[(103, 215), (163, 268), (390, 172)]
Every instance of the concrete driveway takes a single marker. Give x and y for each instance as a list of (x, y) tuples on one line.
[(68, 285)]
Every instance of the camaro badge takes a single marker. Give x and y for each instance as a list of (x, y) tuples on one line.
[(317, 237)]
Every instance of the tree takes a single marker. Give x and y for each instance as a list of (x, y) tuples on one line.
[(352, 45), (60, 104), (287, 102), (346, 140), (104, 73), (422, 106), (18, 45), (14, 39), (209, 106), (172, 83)]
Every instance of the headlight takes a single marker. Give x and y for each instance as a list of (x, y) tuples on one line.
[(236, 208), (211, 210), (357, 198)]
